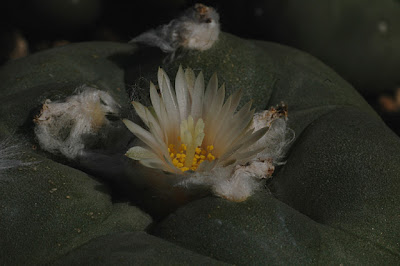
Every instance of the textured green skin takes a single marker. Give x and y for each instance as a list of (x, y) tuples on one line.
[(133, 248), (334, 201)]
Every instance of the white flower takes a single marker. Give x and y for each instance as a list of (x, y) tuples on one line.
[(193, 132)]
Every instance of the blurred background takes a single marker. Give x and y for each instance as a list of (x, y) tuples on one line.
[(359, 39)]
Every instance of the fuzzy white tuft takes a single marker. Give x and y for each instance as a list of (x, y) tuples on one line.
[(277, 138), (62, 126), (198, 28), (237, 187)]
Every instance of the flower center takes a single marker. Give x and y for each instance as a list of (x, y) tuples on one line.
[(179, 156), (190, 153)]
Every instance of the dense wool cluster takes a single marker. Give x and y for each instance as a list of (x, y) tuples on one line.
[(198, 28), (62, 126)]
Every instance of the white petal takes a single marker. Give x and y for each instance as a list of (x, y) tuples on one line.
[(210, 93), (155, 100), (190, 79), (154, 127), (236, 127), (182, 94), (167, 94), (141, 111), (164, 124), (214, 119), (161, 75), (224, 118), (171, 108), (236, 96), (148, 118), (154, 163), (218, 101), (143, 135), (243, 144), (139, 153), (237, 132), (197, 97)]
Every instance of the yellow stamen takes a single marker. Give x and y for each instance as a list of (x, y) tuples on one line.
[(190, 153), (198, 150), (200, 155)]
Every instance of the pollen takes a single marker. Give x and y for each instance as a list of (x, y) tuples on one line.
[(179, 157), (210, 157)]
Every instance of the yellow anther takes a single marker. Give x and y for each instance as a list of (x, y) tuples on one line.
[(200, 155)]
